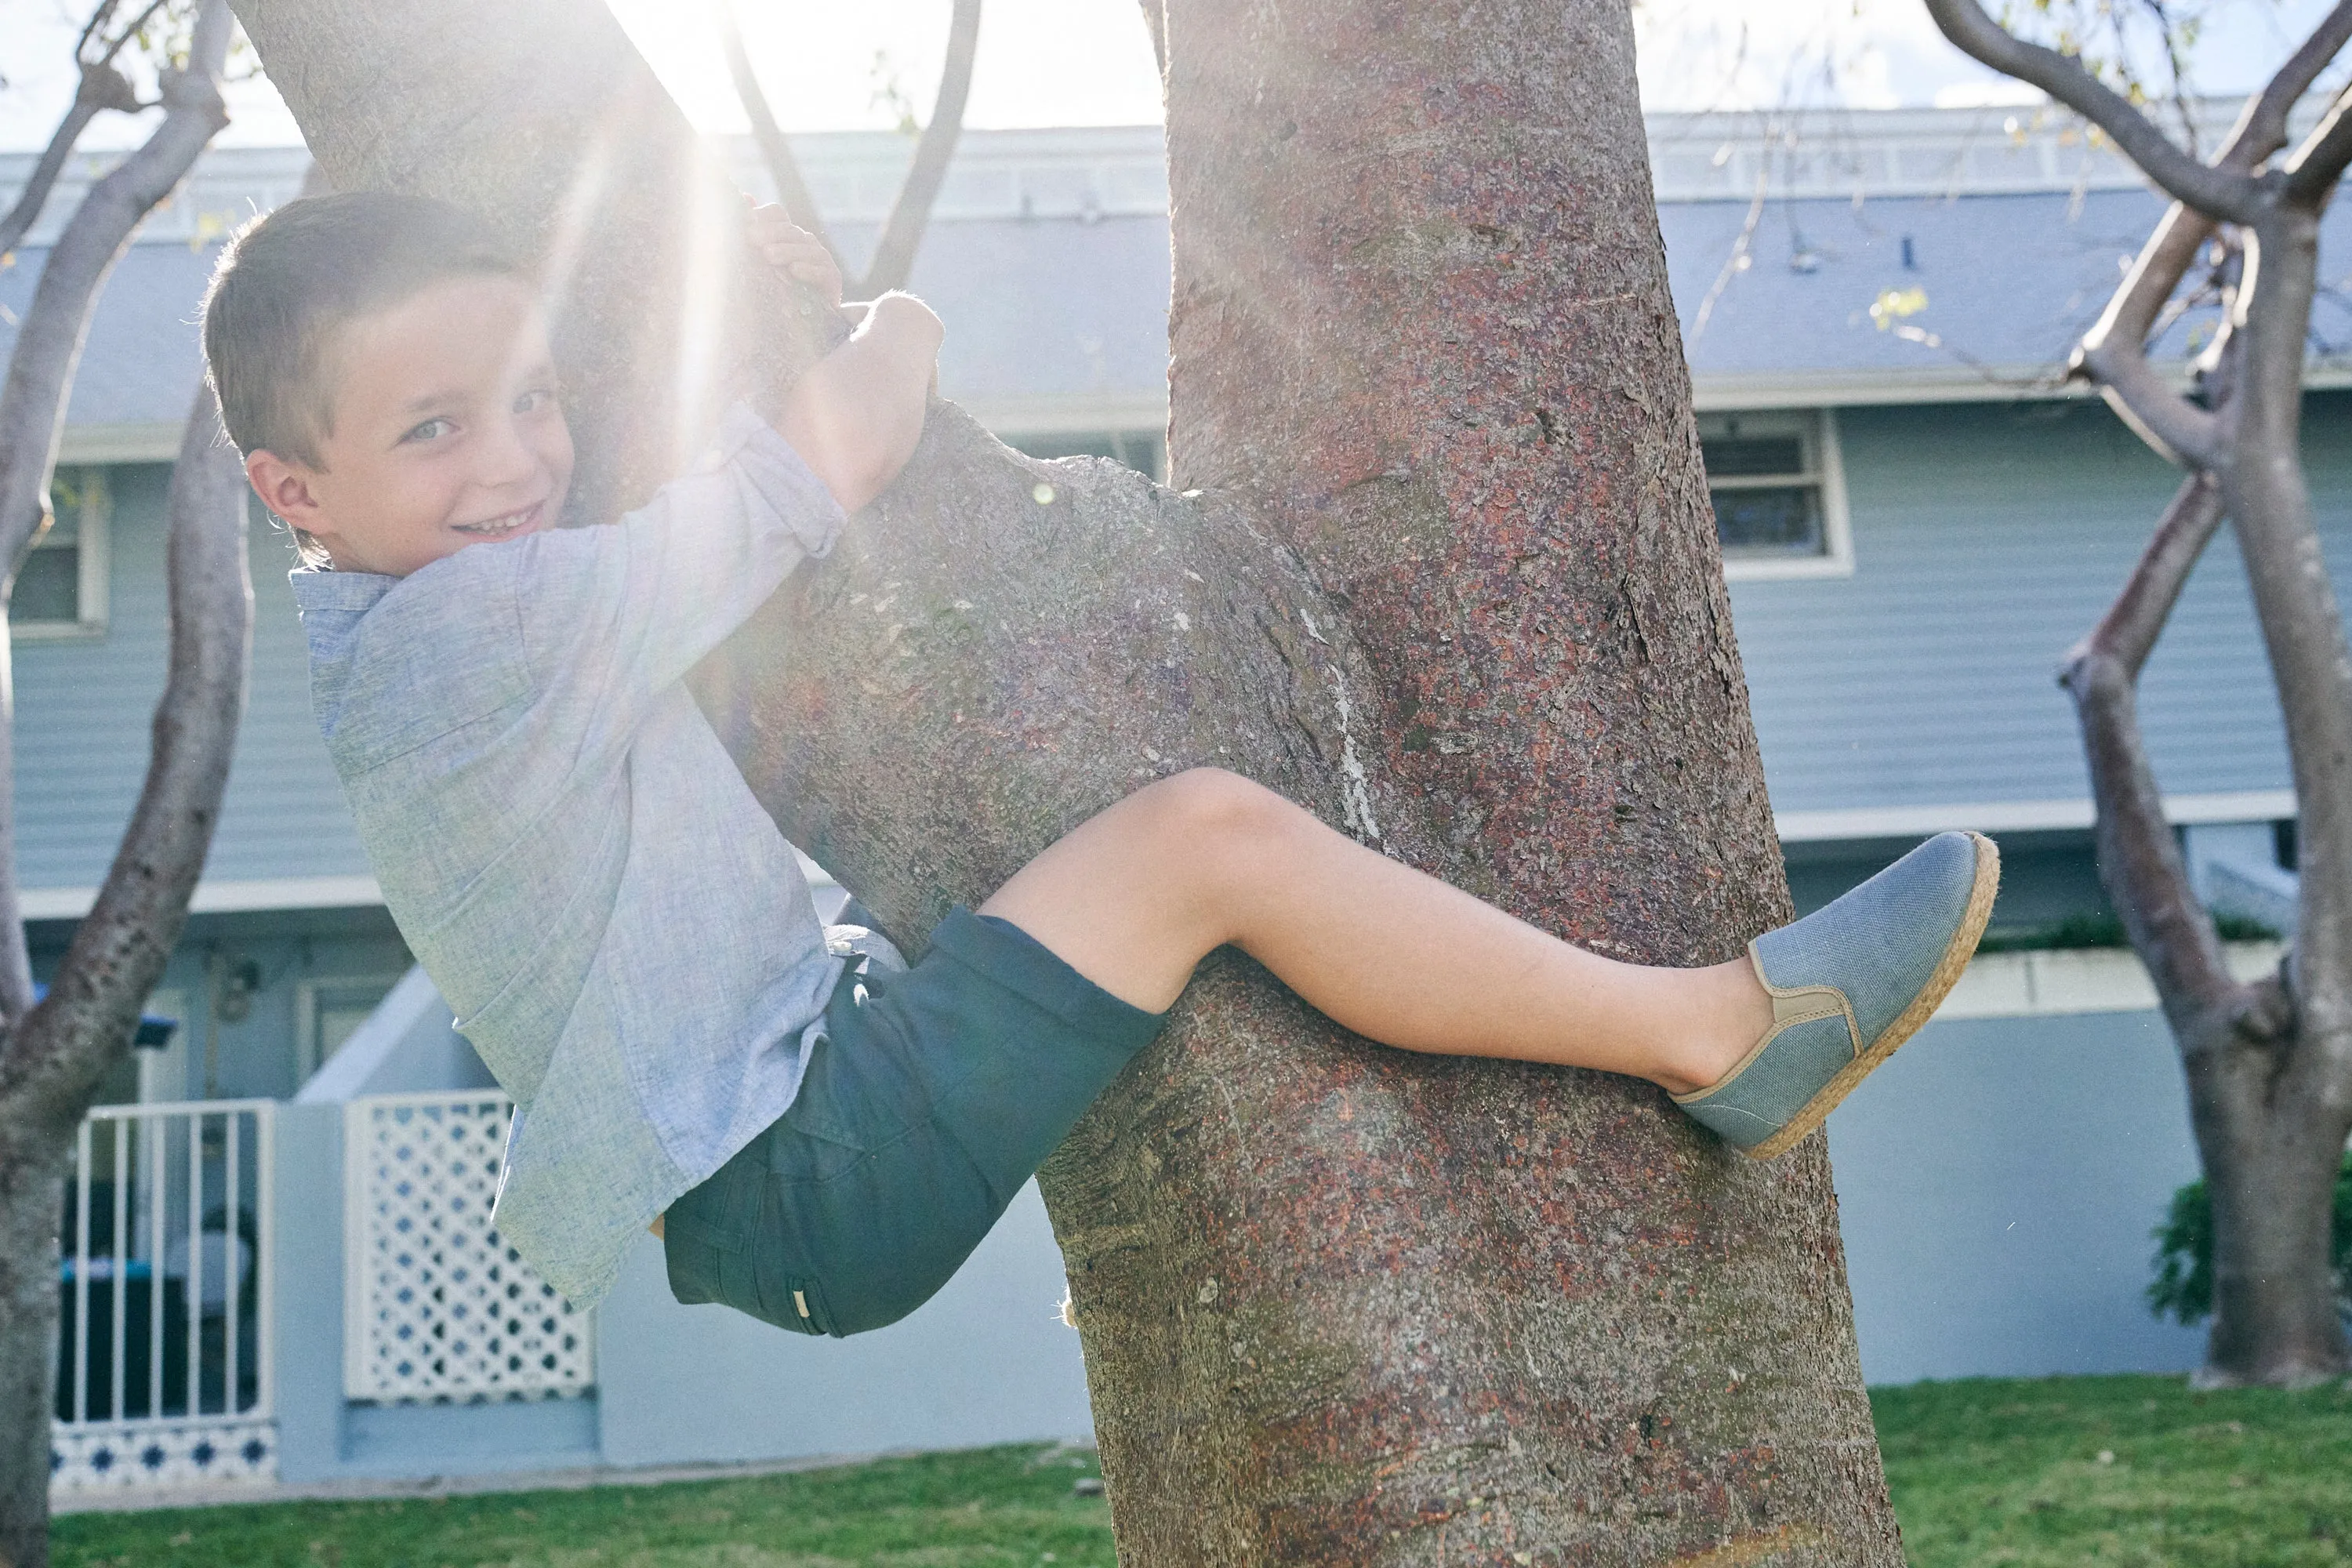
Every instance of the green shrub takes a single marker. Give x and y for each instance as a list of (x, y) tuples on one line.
[(2103, 930), (2183, 1286)]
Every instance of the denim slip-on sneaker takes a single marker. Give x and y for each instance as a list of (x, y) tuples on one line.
[(1851, 982)]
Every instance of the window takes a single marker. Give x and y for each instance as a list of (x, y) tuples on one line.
[(61, 588), (1778, 492), (327, 1011), (1145, 451)]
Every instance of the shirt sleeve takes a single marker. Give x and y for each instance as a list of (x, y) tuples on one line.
[(616, 615)]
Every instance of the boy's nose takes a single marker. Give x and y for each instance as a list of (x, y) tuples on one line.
[(507, 456)]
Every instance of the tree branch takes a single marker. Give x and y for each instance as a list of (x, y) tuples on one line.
[(66, 1045), (894, 253), (40, 372), (2263, 127), (2113, 352), (2139, 859), (102, 88), (782, 167), (2314, 167), (2217, 192)]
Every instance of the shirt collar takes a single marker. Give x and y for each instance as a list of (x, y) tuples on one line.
[(318, 589)]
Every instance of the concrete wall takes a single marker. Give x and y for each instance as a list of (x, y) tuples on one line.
[(987, 1360), (1997, 1180)]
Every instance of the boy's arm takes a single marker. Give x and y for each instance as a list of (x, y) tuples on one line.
[(855, 416)]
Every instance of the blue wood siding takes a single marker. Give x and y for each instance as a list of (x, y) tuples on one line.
[(1987, 539), (83, 707)]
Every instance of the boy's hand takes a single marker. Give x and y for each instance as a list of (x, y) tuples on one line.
[(793, 251)]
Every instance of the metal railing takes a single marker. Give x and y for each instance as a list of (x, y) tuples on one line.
[(165, 1284)]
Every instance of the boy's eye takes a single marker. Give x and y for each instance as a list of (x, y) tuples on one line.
[(537, 400), (432, 429)]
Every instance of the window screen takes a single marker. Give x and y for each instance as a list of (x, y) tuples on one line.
[(1764, 477)]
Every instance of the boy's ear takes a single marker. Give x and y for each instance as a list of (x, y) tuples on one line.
[(284, 488)]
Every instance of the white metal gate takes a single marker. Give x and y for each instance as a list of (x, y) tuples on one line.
[(164, 1349), (438, 1308)]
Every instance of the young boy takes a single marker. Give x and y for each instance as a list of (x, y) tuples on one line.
[(629, 943)]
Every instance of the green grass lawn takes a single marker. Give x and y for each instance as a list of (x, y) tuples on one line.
[(2127, 1471), (2106, 1470), (989, 1508)]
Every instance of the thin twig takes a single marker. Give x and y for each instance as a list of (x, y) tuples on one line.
[(2217, 192)]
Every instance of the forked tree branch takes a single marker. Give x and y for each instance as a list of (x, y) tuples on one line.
[(782, 167), (893, 254), (101, 88), (2218, 193), (911, 213), (2140, 858), (2115, 351)]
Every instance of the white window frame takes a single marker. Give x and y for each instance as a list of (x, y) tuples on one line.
[(308, 992), (91, 589), (1817, 433)]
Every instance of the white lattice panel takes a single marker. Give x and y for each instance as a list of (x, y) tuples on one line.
[(438, 1306)]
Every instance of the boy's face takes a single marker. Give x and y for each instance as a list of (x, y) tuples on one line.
[(447, 431)]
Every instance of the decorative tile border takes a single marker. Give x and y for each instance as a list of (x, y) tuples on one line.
[(162, 1453)]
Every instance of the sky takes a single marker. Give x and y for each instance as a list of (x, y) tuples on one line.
[(1088, 62)]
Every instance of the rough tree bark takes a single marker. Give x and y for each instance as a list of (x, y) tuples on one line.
[(55, 1054), (2269, 1065), (1456, 589)]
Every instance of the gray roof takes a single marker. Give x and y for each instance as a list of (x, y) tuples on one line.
[(1048, 258)]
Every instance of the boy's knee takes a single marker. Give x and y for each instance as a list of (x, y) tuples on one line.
[(1209, 804)]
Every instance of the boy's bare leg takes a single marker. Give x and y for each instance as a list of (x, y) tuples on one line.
[(1135, 897)]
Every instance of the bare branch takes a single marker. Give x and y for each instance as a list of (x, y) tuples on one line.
[(2314, 167), (41, 367), (2263, 129), (101, 88), (2115, 352), (2139, 859), (894, 253), (782, 167), (2218, 193), (91, 28), (65, 1045), (128, 33), (43, 177)]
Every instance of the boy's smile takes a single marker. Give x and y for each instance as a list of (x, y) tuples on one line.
[(445, 431)]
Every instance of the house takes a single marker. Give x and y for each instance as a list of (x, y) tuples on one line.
[(279, 1263)]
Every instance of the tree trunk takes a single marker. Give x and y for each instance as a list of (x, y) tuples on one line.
[(2269, 1066), (1339, 1304), (2271, 1149), (54, 1056)]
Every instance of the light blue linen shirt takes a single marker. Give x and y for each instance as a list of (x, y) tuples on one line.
[(623, 933)]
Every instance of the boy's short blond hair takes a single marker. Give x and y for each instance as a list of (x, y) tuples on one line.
[(287, 281)]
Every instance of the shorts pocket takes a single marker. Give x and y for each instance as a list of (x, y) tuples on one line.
[(811, 1146)]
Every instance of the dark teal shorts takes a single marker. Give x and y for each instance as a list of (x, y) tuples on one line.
[(939, 1091)]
